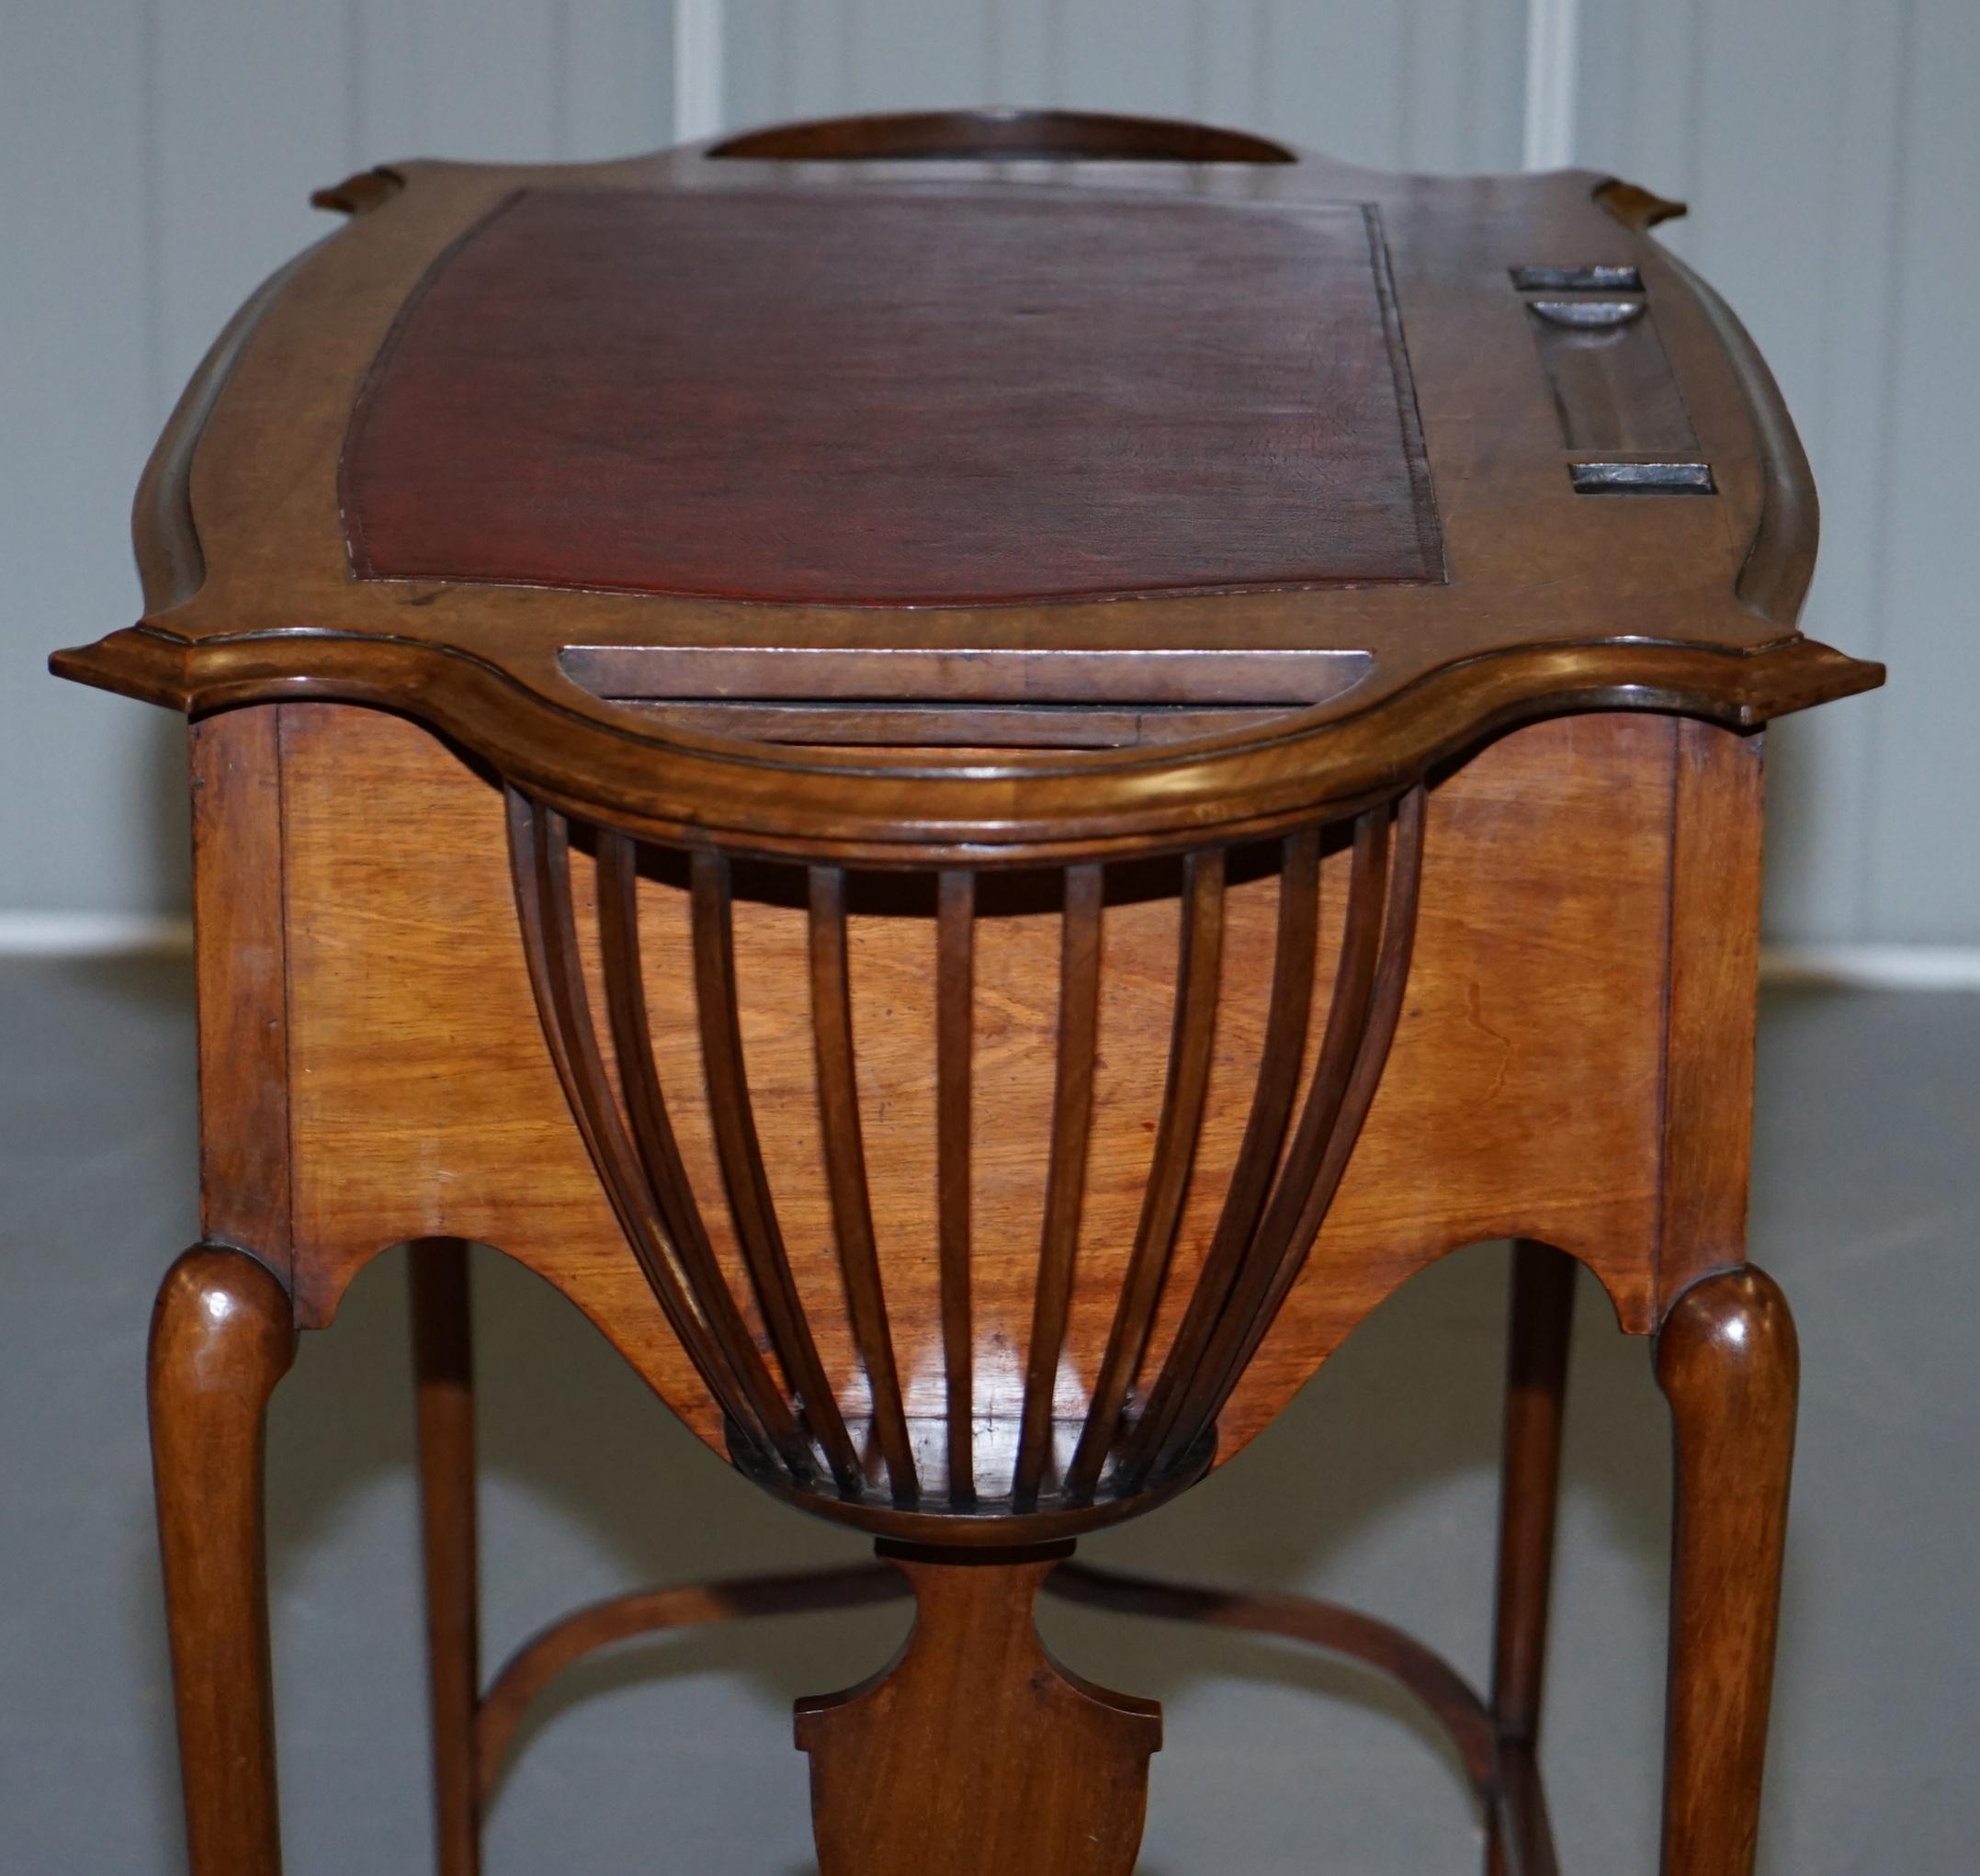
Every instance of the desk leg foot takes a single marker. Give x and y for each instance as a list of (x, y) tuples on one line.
[(221, 1337), (1728, 1362), (443, 1374), (1540, 1321)]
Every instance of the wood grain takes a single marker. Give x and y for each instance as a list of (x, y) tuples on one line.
[(221, 1337), (1199, 960), (1065, 1180), (1729, 1364), (1540, 1319), (955, 1056), (443, 1377), (1714, 990), (240, 952), (1486, 1125), (1017, 1767), (845, 1176)]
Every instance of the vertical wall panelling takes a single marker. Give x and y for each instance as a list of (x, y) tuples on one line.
[(1811, 139), (1636, 111), (752, 62), (77, 402), (1771, 233), (698, 68), (1330, 76), (1460, 84), (254, 110), (161, 153), (490, 81), (389, 81), (1224, 61), (1127, 55), (817, 78), (1018, 52), (1553, 39), (1424, 84), (619, 62), (892, 50), (1824, 770), (1921, 852)]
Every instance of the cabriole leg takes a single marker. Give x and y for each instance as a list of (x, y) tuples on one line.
[(221, 1337), (443, 1373), (1540, 1319), (1728, 1362)]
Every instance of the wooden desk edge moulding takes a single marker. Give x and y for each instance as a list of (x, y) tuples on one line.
[(978, 841)]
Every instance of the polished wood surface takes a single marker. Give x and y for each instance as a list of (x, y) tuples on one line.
[(1016, 1764), (1729, 1364), (1713, 1001), (221, 1337), (443, 1376), (241, 983), (1540, 1318)]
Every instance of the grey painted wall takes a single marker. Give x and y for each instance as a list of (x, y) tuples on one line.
[(156, 158), (157, 154)]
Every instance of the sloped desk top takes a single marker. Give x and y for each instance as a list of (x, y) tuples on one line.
[(1326, 473)]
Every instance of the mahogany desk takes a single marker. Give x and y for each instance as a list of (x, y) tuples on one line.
[(978, 776)]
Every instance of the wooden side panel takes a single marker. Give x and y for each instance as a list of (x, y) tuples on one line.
[(1522, 1097), (1715, 982), (1521, 1094), (241, 982)]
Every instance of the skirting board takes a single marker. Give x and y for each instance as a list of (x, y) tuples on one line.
[(1872, 967), (1838, 967), (94, 934)]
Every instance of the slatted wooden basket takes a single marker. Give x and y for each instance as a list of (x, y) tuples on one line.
[(957, 1257)]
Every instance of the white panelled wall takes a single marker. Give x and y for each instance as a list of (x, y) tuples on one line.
[(157, 158), (158, 154)]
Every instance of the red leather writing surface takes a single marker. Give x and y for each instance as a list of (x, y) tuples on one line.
[(895, 396)]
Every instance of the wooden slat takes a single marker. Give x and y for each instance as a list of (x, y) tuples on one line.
[(1072, 1113), (1200, 956), (539, 857), (531, 1670), (1376, 1031), (1443, 1692), (955, 1038), (1353, 975), (659, 1154), (1288, 1013), (845, 1172), (747, 1185)]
